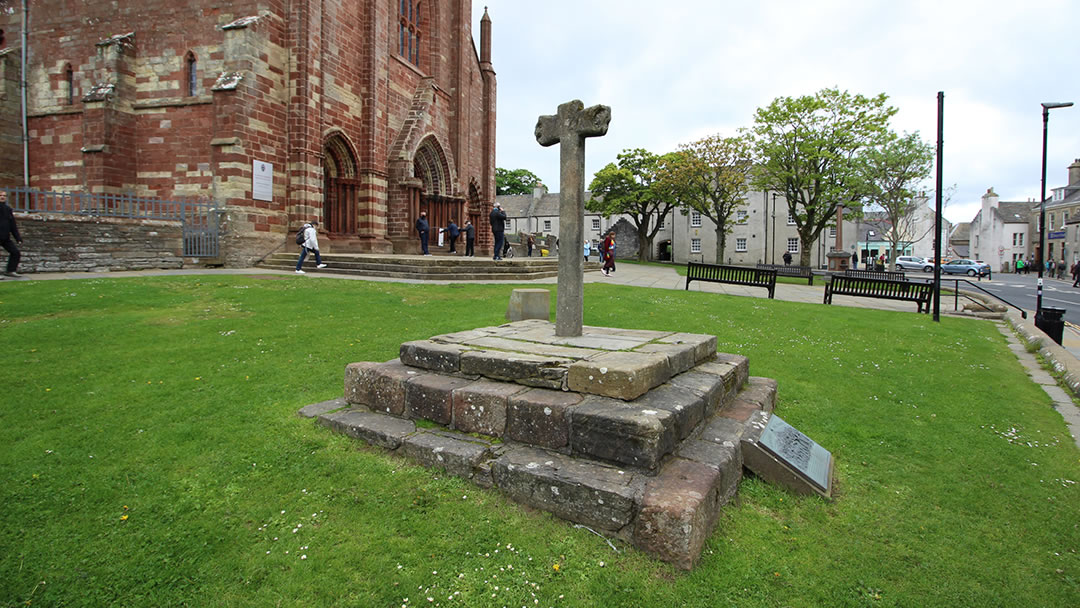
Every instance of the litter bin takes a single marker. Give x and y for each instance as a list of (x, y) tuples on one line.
[(1052, 321)]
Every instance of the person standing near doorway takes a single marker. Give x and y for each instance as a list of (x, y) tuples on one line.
[(498, 229), (454, 232), (422, 230), (9, 235), (470, 239), (311, 243)]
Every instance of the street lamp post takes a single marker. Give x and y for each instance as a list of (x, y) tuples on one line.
[(773, 228), (1046, 106)]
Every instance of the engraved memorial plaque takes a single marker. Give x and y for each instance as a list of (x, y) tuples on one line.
[(798, 451)]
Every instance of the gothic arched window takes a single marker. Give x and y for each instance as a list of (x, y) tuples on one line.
[(409, 33), (192, 74)]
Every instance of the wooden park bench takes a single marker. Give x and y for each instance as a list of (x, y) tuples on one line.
[(892, 275), (786, 270), (735, 275), (888, 289)]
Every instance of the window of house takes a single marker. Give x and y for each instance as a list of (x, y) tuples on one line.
[(832, 232), (547, 225), (740, 244), (740, 216), (192, 74), (1014, 239), (596, 224), (69, 82), (409, 34), (695, 245), (695, 218), (793, 245), (790, 218), (662, 222), (1051, 221), (1021, 239)]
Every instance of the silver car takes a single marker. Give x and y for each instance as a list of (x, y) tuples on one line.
[(910, 262), (968, 267)]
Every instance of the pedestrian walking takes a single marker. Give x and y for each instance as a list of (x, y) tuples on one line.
[(1050, 267), (9, 235), (588, 249), (530, 242), (1061, 269), (1076, 274), (498, 229), (423, 229), (607, 252), (787, 258), (855, 261), (311, 243), (470, 239), (1020, 265)]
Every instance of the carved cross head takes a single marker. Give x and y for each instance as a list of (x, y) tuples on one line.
[(573, 122)]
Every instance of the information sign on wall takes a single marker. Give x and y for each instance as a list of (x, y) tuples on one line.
[(262, 181)]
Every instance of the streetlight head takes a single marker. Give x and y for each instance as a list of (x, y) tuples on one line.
[(1049, 105)]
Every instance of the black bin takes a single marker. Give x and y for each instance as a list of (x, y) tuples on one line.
[(1052, 321)]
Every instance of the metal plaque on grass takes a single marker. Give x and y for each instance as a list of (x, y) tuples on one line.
[(798, 451)]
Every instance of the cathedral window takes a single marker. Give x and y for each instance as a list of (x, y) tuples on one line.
[(192, 74), (409, 34), (69, 84)]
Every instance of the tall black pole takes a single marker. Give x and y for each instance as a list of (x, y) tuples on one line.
[(937, 206), (765, 221), (1042, 218), (773, 228)]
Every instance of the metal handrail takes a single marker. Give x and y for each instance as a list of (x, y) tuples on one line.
[(956, 296)]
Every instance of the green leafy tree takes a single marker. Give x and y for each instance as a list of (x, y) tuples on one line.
[(813, 150), (515, 181), (711, 176), (629, 186), (894, 172)]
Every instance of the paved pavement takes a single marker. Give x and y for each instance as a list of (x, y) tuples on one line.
[(640, 275)]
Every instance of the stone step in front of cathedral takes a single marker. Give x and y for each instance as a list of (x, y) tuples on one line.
[(636, 433), (437, 267)]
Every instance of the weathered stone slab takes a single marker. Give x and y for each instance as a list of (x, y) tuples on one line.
[(541, 417), (458, 456), (725, 457), (380, 386), (431, 397), (704, 345), (460, 337), (687, 407), (729, 373), (376, 429), (529, 304), (535, 348), (480, 407), (620, 432), (647, 335), (681, 357), (588, 493), (323, 407), (622, 375), (531, 370), (741, 363), (678, 511), (709, 386), (761, 391), (432, 356), (612, 342), (720, 429)]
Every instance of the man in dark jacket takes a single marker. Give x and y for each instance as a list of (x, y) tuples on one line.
[(470, 239), (498, 228), (9, 232), (423, 229), (454, 232)]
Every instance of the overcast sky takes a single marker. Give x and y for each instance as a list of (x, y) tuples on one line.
[(674, 72)]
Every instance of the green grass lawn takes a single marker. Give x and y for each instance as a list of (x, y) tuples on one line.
[(152, 456)]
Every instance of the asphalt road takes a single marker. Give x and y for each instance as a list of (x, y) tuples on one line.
[(1021, 290)]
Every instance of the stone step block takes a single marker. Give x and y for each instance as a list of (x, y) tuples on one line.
[(379, 386), (620, 432), (323, 407), (481, 406), (522, 368), (621, 375), (678, 511), (687, 407), (725, 457), (541, 417), (741, 364), (681, 357), (591, 494), (710, 387), (703, 345), (551, 350), (458, 455), (757, 396), (430, 396), (376, 429), (529, 304), (431, 355)]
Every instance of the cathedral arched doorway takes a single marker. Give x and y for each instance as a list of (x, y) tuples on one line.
[(341, 188), (434, 192)]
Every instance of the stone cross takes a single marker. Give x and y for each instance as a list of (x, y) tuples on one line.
[(569, 128)]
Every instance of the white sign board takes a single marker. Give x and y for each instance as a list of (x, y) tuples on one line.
[(262, 181)]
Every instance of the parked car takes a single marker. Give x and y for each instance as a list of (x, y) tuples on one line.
[(968, 267), (911, 262)]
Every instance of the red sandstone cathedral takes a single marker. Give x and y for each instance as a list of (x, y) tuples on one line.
[(360, 113)]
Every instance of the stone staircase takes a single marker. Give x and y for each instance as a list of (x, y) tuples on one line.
[(637, 434), (426, 268)]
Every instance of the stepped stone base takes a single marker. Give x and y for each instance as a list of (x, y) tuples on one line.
[(635, 433)]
